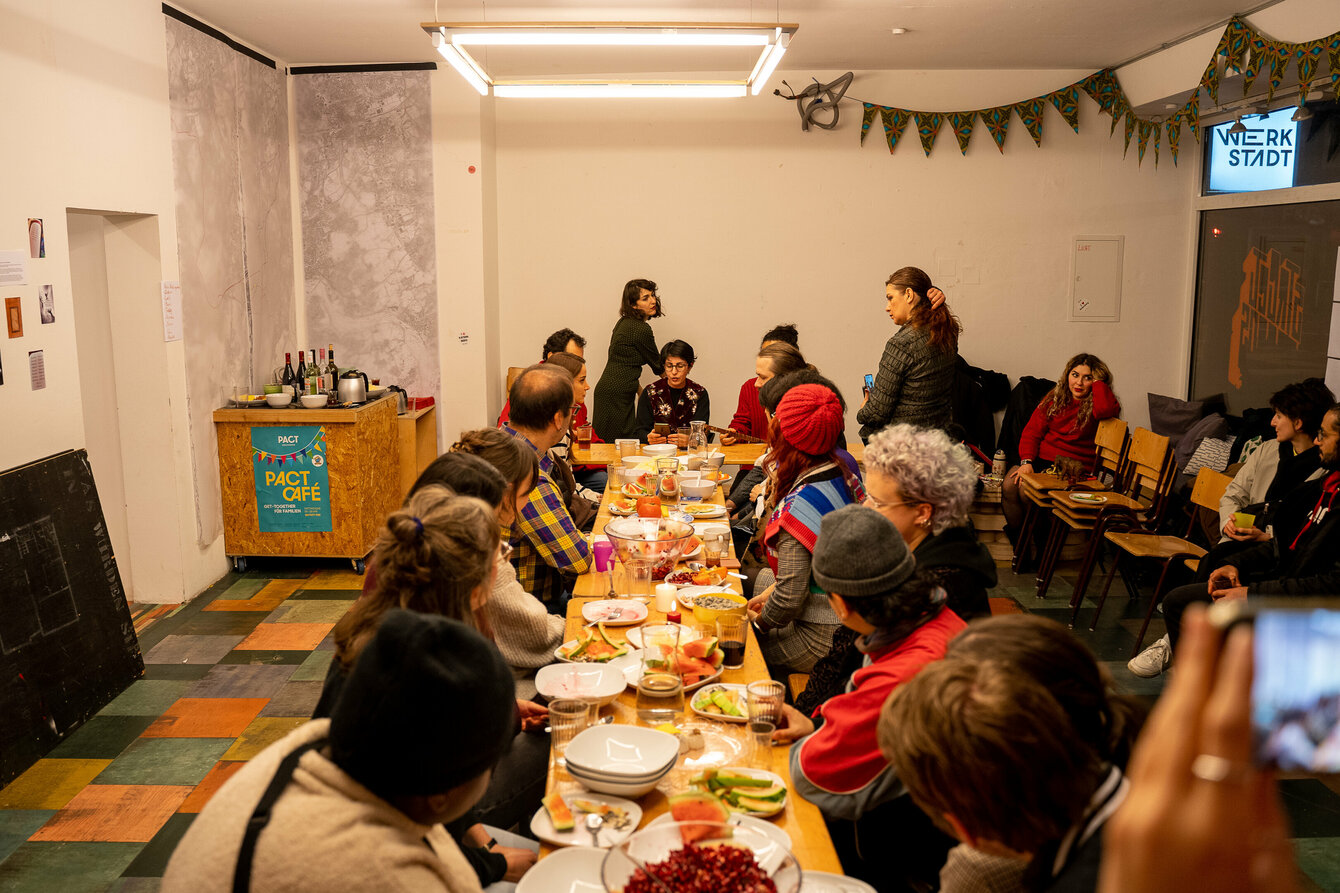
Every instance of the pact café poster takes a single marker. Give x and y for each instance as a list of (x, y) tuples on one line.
[(292, 479)]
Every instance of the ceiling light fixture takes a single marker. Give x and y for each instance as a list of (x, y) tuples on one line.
[(452, 39), (897, 30), (1302, 113), (1238, 126)]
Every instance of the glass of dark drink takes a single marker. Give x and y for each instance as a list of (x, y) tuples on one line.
[(584, 436), (731, 632)]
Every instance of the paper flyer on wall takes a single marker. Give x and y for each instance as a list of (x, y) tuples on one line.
[(13, 268), (37, 369)]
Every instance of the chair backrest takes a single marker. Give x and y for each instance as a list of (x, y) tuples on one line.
[(512, 373), (1110, 444), (1209, 488), (1151, 470)]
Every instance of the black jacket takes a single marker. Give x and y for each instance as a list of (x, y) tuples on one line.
[(1025, 397), (1312, 567), (963, 567)]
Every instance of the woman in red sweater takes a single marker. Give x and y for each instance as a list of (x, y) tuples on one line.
[(1063, 425), (749, 418)]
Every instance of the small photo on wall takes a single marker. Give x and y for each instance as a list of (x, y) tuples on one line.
[(14, 317), (37, 243), (46, 300)]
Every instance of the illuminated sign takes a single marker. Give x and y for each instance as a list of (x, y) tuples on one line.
[(1261, 158)]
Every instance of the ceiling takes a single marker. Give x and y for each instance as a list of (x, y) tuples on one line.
[(834, 34)]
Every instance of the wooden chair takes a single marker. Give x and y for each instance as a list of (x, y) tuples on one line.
[(1207, 491), (1110, 443), (1140, 496), (797, 682), (513, 372)]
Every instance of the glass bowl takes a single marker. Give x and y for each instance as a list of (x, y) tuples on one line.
[(661, 541), (649, 849)]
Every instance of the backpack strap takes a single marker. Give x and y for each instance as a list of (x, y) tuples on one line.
[(260, 816)]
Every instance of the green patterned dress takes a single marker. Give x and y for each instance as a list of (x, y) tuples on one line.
[(632, 345)]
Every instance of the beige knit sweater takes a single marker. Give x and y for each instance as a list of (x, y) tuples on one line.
[(523, 629), (327, 832)]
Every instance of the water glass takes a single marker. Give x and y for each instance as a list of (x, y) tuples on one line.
[(684, 433), (637, 577), (766, 697), (628, 446), (567, 717), (758, 746), (732, 630)]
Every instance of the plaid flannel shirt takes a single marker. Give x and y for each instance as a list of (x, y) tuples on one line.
[(548, 545)]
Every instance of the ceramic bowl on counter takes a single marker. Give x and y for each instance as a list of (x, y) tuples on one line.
[(313, 401), (279, 400)]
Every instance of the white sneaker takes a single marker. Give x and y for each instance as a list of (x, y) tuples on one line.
[(1153, 660)]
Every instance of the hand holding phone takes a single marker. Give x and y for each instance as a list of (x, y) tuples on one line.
[(869, 383)]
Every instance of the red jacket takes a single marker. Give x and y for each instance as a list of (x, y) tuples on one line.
[(841, 769), (749, 418), (1047, 439)]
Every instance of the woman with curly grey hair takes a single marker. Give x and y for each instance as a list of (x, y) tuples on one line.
[(924, 484)]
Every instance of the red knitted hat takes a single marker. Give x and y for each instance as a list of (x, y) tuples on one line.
[(810, 417)]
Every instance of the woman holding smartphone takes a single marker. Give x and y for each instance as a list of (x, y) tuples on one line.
[(917, 367), (632, 346)]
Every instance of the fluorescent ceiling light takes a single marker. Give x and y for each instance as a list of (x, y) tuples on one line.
[(620, 90), (452, 40)]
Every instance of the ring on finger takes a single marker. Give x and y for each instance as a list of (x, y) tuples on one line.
[(1208, 767)]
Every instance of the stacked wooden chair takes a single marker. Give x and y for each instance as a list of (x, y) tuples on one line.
[(1142, 542)]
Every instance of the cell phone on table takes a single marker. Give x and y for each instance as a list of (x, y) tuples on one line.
[(869, 382), (1296, 681)]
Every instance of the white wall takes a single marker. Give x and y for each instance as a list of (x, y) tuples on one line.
[(83, 86), (745, 221)]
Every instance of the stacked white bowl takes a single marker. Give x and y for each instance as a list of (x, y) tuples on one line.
[(620, 759)]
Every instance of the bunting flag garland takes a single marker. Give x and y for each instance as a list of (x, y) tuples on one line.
[(997, 122), (928, 125), (894, 122), (867, 118), (1240, 49), (1066, 101), (962, 122)]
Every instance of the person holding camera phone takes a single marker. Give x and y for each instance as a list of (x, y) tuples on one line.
[(1302, 560)]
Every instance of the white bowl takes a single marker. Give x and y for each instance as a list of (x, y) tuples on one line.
[(314, 401), (570, 870), (587, 683), (641, 463), (617, 788), (580, 771), (622, 750), (278, 400), (659, 449), (696, 489), (684, 475)]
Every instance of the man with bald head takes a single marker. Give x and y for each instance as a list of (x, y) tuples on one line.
[(549, 549)]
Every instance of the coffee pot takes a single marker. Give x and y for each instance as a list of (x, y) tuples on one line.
[(352, 387)]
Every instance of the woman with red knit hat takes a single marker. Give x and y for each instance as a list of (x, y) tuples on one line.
[(807, 480)]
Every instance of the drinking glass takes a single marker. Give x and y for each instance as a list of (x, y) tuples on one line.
[(766, 697), (758, 749), (584, 436), (637, 576), (716, 548), (731, 634), (660, 690), (684, 433), (628, 446), (567, 717)]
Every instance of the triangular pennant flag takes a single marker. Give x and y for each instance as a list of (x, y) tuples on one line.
[(894, 122), (1066, 101), (1209, 81), (1158, 136), (962, 122), (1279, 55), (1335, 66), (1030, 114), (1236, 38), (1102, 88), (1308, 55), (1193, 115), (1256, 61), (928, 125), (1174, 128), (867, 118), (1130, 129), (1145, 128), (997, 122)]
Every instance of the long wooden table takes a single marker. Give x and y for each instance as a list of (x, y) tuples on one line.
[(737, 454), (725, 743)]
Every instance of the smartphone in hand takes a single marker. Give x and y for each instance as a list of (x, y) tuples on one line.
[(869, 383)]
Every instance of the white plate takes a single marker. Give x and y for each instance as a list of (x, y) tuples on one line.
[(758, 773), (826, 882), (558, 654), (623, 512), (631, 664), (722, 717), (574, 870), (542, 828), (686, 634), (746, 821), (692, 592), (1087, 498), (704, 510), (631, 611)]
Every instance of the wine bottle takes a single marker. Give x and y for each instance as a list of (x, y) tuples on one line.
[(314, 371), (321, 368), (302, 373), (332, 370), (287, 378)]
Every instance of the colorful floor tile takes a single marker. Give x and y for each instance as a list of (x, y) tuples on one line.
[(37, 867), (170, 761), (179, 649), (206, 718), (294, 699), (130, 813), (286, 636), (242, 681), (309, 611), (103, 737), (222, 771), (17, 825), (146, 698), (314, 668), (263, 732), (50, 784), (267, 598)]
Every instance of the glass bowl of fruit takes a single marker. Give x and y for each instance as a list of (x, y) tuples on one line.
[(693, 855), (662, 541)]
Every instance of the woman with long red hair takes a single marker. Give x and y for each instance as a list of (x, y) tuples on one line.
[(807, 479), (917, 368)]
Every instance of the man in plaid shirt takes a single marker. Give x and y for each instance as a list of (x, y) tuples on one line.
[(549, 549)]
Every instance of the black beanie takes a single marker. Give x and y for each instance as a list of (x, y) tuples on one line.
[(860, 553), (429, 704)]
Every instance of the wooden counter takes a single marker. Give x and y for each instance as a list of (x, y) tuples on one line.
[(361, 453)]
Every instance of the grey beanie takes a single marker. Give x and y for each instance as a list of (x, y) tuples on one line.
[(860, 553)]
